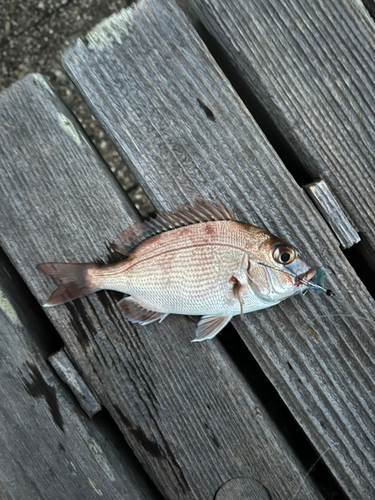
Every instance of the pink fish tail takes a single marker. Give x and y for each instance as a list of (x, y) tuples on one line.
[(76, 280)]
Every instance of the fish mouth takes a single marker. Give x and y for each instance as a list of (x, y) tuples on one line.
[(307, 276)]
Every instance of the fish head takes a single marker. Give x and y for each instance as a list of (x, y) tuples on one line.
[(276, 270)]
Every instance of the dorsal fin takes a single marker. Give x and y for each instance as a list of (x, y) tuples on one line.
[(202, 211)]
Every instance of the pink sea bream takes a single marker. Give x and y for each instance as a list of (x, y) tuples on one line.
[(198, 260)]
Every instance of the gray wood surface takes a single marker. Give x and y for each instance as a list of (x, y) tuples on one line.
[(184, 409), (49, 449), (311, 65), (70, 376), (242, 488), (184, 132), (333, 213)]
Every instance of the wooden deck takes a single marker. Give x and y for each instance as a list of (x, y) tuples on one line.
[(194, 422)]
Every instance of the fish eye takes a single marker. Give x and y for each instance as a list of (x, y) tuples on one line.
[(283, 254)]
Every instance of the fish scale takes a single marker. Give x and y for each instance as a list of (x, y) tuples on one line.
[(190, 269)]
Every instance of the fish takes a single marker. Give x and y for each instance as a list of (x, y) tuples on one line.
[(198, 260)]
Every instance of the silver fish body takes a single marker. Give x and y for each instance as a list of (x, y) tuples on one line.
[(189, 271)]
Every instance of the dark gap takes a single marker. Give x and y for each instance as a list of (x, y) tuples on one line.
[(108, 426), (270, 130), (370, 6), (130, 191), (28, 309), (362, 259), (280, 414), (207, 110)]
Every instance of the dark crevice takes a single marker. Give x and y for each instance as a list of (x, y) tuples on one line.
[(280, 414), (362, 259), (260, 115), (370, 6), (108, 426), (130, 191), (28, 309), (206, 110)]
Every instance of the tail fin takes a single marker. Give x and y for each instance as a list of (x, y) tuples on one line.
[(74, 278)]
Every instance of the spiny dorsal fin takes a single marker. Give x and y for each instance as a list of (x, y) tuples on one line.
[(202, 211)]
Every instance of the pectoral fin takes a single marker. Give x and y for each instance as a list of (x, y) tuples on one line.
[(135, 313), (238, 290), (209, 326)]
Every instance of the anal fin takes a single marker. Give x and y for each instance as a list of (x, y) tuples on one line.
[(135, 313), (209, 326)]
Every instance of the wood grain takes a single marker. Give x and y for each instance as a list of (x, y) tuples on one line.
[(311, 65), (69, 375), (185, 134), (333, 213), (185, 410), (48, 447), (242, 488)]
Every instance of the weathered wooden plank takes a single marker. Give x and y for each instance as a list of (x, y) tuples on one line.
[(185, 134), (311, 65), (185, 410), (48, 447), (68, 374), (333, 213)]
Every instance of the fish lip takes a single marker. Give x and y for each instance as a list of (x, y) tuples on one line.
[(307, 276)]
